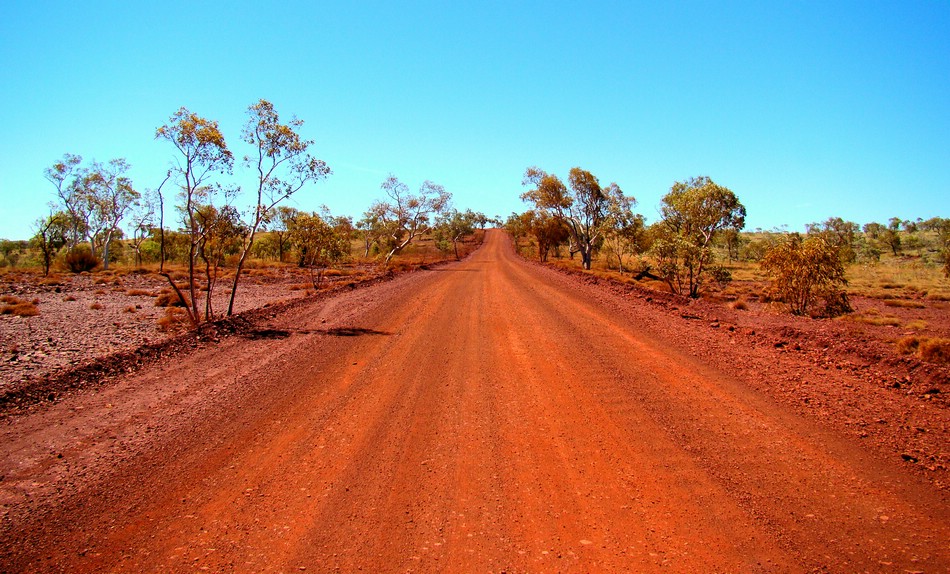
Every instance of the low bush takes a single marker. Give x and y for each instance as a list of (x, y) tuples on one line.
[(806, 271), (168, 298), (81, 260), (174, 319), (934, 350)]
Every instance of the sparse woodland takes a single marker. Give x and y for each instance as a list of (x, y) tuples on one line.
[(98, 217), (202, 236)]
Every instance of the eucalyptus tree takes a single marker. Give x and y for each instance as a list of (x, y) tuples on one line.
[(52, 233), (582, 208), (406, 215), (453, 226), (625, 229), (693, 212), (283, 165), (320, 242), (66, 175), (201, 153)]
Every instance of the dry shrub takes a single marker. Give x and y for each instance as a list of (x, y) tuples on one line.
[(739, 305), (139, 293), (96, 306), (130, 309), (168, 298), (904, 303), (81, 260), (916, 325), (174, 319), (100, 292), (934, 350), (299, 286), (18, 307), (806, 271), (52, 281), (69, 298)]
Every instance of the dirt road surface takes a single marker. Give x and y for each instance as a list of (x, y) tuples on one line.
[(482, 417)]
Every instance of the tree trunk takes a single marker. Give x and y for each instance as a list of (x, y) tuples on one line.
[(587, 253), (105, 251)]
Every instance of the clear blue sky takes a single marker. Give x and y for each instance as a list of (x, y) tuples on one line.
[(804, 110)]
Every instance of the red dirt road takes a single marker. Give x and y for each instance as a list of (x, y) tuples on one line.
[(483, 417)]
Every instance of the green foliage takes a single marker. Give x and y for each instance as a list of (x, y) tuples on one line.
[(840, 234), (406, 215), (693, 213), (625, 231), (11, 251), (547, 230), (583, 209), (452, 227), (319, 241), (51, 236), (805, 271)]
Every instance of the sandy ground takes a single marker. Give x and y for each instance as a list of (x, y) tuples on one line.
[(490, 415)]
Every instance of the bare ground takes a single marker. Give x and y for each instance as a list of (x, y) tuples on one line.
[(491, 415)]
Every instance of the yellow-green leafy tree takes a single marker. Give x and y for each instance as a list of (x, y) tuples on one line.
[(694, 212)]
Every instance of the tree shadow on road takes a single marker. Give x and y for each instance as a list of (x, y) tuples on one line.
[(334, 332)]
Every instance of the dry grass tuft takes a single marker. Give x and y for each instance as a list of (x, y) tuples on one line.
[(96, 306), (739, 305), (69, 298), (168, 298), (174, 319), (934, 350), (11, 305), (905, 303), (873, 316), (139, 293)]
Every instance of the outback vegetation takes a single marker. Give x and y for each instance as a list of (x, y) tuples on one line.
[(98, 218), (699, 248)]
